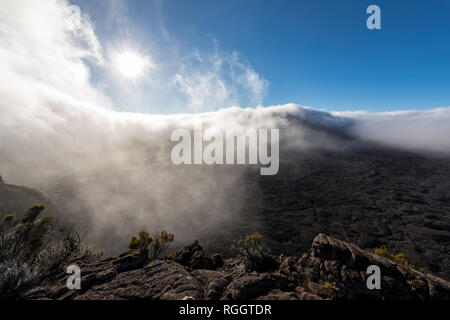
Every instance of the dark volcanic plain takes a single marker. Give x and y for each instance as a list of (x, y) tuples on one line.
[(367, 196)]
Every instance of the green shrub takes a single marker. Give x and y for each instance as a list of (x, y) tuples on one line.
[(254, 254), (32, 249), (32, 213), (143, 242), (45, 221), (154, 245), (8, 219), (172, 256), (330, 288), (399, 258)]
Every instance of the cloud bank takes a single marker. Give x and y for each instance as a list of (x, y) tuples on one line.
[(420, 131)]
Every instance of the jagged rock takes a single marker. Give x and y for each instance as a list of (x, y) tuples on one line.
[(264, 263), (106, 275), (131, 260), (194, 257), (217, 260), (344, 265), (331, 269), (251, 286), (301, 294), (214, 282), (160, 279)]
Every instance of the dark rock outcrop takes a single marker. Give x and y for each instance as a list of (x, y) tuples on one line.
[(343, 264), (331, 269), (194, 257)]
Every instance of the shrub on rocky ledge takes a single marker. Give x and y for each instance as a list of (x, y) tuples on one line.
[(31, 249), (330, 288), (399, 258), (154, 245), (254, 254), (172, 256)]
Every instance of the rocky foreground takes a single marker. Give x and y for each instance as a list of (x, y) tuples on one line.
[(330, 269)]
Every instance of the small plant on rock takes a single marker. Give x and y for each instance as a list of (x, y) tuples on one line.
[(254, 254), (330, 288), (154, 245), (172, 256), (8, 219), (31, 249), (399, 258)]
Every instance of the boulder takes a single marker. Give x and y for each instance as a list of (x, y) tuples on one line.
[(336, 269), (194, 257)]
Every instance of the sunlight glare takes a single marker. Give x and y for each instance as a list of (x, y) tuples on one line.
[(131, 65)]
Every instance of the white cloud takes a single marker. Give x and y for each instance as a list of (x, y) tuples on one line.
[(248, 78), (210, 82), (416, 130), (38, 45)]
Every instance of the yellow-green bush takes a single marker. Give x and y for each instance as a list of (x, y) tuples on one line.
[(45, 221), (32, 213), (31, 249), (255, 239), (9, 218), (172, 256), (399, 258), (143, 242), (155, 245), (330, 288), (253, 253)]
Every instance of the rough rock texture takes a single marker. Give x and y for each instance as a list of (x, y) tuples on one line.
[(331, 269), (193, 256), (334, 261)]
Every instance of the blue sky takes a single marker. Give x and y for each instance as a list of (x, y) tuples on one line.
[(314, 53)]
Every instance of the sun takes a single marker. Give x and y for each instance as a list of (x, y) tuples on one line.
[(131, 65)]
